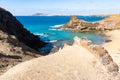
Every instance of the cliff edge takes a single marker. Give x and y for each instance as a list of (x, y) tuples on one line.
[(9, 24), (16, 43)]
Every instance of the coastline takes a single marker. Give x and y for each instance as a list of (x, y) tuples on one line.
[(78, 25), (70, 62), (113, 47)]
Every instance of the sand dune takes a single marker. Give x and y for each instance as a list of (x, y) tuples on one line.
[(70, 63)]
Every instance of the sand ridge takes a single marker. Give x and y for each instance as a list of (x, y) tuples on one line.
[(70, 63)]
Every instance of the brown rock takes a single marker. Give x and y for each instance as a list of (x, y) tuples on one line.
[(112, 67), (100, 53), (12, 52), (80, 25), (77, 25)]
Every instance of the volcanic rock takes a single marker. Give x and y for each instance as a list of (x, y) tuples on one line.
[(10, 25)]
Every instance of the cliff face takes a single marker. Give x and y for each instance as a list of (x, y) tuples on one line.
[(10, 25), (16, 43), (78, 25), (12, 52)]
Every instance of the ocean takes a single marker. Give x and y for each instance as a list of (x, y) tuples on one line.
[(44, 27)]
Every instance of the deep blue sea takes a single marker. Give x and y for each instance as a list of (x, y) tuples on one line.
[(44, 25)]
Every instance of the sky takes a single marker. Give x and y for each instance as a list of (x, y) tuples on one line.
[(75, 7)]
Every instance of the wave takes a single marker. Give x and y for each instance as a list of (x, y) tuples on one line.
[(42, 34), (44, 37), (55, 29), (56, 26), (52, 41)]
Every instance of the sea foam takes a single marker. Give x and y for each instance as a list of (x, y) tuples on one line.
[(56, 26)]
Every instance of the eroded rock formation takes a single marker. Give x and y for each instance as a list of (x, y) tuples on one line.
[(12, 52), (99, 52), (77, 25)]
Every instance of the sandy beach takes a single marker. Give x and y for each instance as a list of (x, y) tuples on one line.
[(113, 47)]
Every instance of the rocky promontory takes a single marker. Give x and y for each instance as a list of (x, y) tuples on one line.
[(77, 25)]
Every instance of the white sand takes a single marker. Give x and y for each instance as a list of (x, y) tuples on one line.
[(71, 63), (113, 47)]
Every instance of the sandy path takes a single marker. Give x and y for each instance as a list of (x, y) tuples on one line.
[(71, 63)]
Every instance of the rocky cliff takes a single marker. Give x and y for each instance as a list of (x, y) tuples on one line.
[(77, 25), (10, 25), (16, 43), (12, 52)]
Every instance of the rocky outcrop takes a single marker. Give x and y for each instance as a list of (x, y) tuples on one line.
[(77, 25), (99, 52), (16, 43), (10, 25), (12, 52), (111, 22), (74, 22)]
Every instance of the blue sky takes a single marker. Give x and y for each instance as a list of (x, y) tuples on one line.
[(29, 7)]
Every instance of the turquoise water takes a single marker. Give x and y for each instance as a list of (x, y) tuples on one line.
[(44, 25)]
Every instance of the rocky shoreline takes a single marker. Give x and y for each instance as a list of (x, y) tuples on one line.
[(77, 25)]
